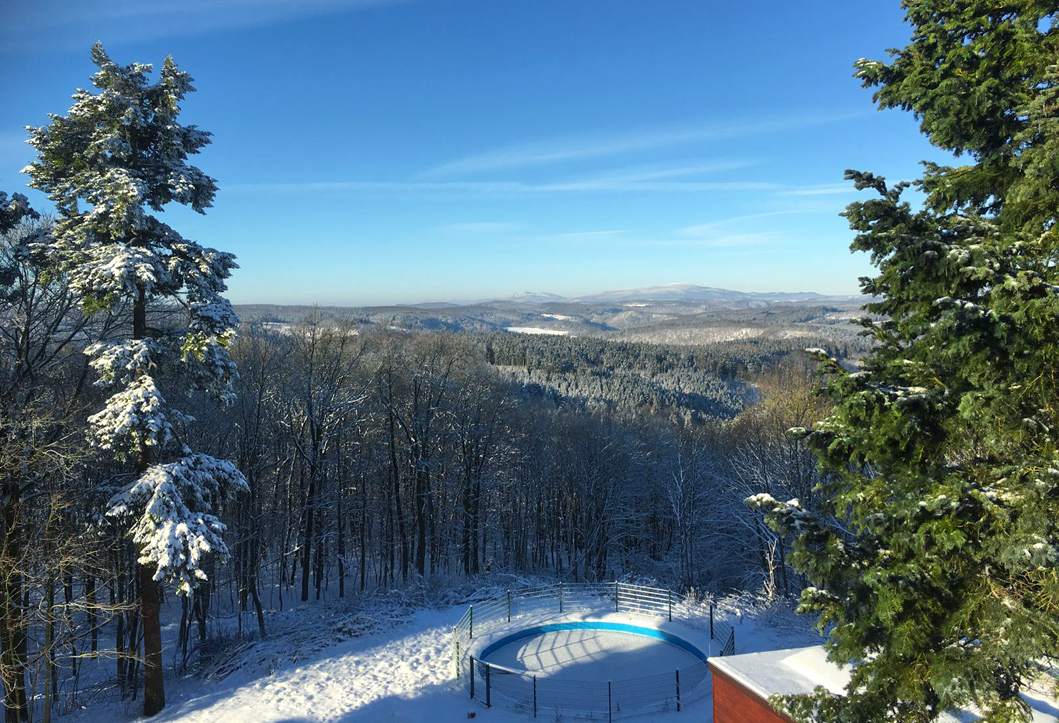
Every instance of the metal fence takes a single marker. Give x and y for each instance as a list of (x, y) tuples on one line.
[(544, 696)]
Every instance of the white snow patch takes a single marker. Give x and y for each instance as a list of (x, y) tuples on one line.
[(536, 330)]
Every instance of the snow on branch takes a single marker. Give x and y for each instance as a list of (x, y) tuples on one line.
[(132, 420), (172, 528), (119, 362), (108, 270)]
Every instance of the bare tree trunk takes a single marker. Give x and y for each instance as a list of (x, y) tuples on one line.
[(93, 614), (12, 615), (363, 530), (153, 684), (201, 608), (117, 597), (395, 471), (340, 524), (150, 606), (307, 535)]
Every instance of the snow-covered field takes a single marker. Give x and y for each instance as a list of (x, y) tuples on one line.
[(311, 670)]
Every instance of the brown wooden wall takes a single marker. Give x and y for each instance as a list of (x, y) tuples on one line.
[(734, 703)]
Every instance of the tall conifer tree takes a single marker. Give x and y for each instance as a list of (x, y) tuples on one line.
[(117, 156), (942, 453)]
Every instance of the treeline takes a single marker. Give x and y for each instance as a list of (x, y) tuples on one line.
[(687, 385), (376, 457)]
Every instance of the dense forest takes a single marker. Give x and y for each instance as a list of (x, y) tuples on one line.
[(377, 458)]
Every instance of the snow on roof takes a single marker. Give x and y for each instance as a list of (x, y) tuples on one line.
[(795, 671), (812, 664), (784, 672)]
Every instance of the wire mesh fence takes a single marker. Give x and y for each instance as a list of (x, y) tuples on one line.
[(549, 698), (544, 696)]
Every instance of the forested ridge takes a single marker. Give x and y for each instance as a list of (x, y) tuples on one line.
[(686, 384)]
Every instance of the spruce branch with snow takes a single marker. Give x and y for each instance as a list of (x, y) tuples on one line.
[(169, 524)]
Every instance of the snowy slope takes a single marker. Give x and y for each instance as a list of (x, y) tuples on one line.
[(403, 675), (400, 675)]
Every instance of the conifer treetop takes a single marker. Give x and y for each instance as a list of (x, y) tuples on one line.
[(111, 165)]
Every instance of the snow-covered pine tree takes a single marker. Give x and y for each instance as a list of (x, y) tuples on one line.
[(943, 452), (118, 155)]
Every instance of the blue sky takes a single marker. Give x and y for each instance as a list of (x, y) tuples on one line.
[(390, 151)]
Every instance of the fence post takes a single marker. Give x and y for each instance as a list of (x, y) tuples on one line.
[(535, 696), (509, 605), (711, 621), (610, 709), (670, 606), (678, 692), (488, 702), (470, 667), (615, 596), (470, 622), (560, 596)]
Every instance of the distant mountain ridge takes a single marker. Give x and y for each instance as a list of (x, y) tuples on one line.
[(674, 313), (667, 292), (693, 292)]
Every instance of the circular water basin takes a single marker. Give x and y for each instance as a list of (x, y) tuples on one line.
[(591, 651)]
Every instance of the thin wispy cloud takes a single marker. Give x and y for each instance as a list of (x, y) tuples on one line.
[(558, 150), (711, 228), (50, 24), (603, 185), (480, 227), (587, 235), (735, 240), (822, 189), (639, 174), (517, 234)]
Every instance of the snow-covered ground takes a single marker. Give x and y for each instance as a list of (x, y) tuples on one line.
[(536, 330), (322, 665)]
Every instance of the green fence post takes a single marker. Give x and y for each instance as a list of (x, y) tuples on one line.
[(615, 596), (670, 606), (711, 621), (488, 701), (610, 708), (470, 668)]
